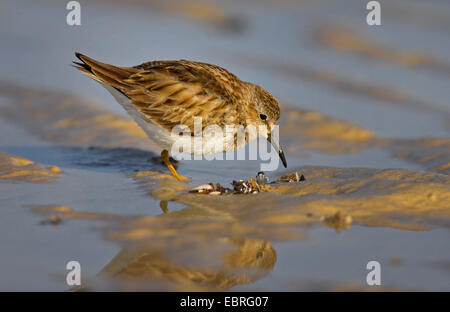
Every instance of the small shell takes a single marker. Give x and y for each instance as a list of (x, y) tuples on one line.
[(215, 193), (203, 187)]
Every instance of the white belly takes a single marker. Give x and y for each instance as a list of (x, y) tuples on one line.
[(155, 132)]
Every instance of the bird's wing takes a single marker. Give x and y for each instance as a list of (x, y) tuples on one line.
[(172, 92)]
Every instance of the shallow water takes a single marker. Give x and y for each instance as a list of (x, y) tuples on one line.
[(373, 109)]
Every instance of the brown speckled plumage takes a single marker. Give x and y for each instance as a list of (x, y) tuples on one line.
[(171, 93), (174, 92)]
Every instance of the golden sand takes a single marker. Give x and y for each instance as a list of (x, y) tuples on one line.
[(15, 169), (324, 134), (235, 231), (70, 120), (346, 40)]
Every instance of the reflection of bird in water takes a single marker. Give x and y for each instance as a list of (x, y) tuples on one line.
[(144, 267)]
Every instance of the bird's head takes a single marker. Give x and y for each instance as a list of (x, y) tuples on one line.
[(267, 114)]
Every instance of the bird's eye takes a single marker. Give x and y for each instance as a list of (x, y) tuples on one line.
[(262, 116)]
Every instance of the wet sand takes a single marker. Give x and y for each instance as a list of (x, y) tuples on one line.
[(15, 169), (79, 180)]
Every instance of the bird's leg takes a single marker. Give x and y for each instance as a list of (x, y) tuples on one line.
[(165, 158), (163, 205)]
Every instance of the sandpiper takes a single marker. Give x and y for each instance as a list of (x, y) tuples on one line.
[(160, 95)]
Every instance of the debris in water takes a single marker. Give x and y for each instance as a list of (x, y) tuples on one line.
[(246, 187), (290, 177), (211, 188), (53, 220), (251, 186), (261, 178)]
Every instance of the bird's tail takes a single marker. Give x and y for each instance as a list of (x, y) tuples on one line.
[(104, 73)]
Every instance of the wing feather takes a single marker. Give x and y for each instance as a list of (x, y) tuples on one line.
[(172, 92)]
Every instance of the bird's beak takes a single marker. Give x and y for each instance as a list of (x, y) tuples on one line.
[(276, 144)]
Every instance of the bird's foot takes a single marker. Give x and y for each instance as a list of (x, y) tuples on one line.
[(166, 160)]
